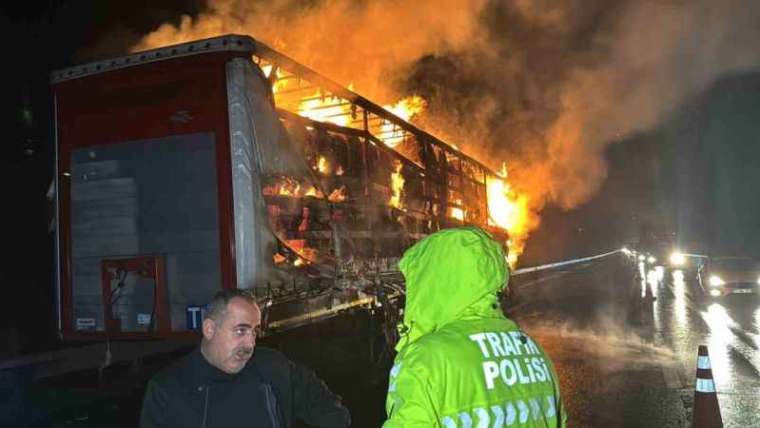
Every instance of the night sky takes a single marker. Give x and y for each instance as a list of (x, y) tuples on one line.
[(695, 174), (41, 36)]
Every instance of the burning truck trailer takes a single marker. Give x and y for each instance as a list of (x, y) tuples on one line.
[(222, 163)]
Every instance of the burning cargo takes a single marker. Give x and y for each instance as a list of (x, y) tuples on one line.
[(222, 163)]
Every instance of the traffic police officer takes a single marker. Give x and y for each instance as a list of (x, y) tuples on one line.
[(460, 361)]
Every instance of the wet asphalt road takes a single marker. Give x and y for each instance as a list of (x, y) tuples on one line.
[(624, 363), (590, 321), (684, 318)]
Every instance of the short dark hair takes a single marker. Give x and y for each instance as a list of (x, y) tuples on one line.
[(217, 307)]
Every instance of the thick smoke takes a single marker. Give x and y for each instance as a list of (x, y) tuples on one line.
[(359, 43), (545, 85), (556, 82)]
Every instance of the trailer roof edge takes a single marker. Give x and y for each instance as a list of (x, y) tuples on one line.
[(226, 43)]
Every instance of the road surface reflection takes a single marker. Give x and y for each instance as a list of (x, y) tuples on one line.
[(684, 318)]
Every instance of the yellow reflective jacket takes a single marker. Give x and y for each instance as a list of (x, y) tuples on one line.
[(461, 362)]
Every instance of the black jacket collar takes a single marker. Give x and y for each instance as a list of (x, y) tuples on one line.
[(204, 374)]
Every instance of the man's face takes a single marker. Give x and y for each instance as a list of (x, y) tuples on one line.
[(230, 341)]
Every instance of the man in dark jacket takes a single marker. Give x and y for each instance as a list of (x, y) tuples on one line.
[(225, 383)]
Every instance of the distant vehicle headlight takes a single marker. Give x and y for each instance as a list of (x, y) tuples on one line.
[(677, 259), (715, 293), (716, 281), (652, 260)]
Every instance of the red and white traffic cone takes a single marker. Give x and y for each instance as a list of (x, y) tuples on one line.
[(706, 408)]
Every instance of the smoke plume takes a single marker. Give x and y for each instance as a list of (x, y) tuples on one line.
[(359, 43), (544, 85)]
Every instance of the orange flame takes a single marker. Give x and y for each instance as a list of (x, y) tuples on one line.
[(288, 187), (305, 254), (278, 83), (333, 109), (397, 184), (503, 171), (293, 188), (406, 109), (509, 210), (323, 108)]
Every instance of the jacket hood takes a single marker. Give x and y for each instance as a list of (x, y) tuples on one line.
[(449, 275)]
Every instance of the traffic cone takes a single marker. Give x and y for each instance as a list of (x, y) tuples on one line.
[(706, 408)]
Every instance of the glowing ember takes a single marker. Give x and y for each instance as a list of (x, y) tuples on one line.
[(285, 187), (407, 108), (323, 166), (397, 184), (279, 258), (306, 255), (338, 195), (292, 188), (313, 192)]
